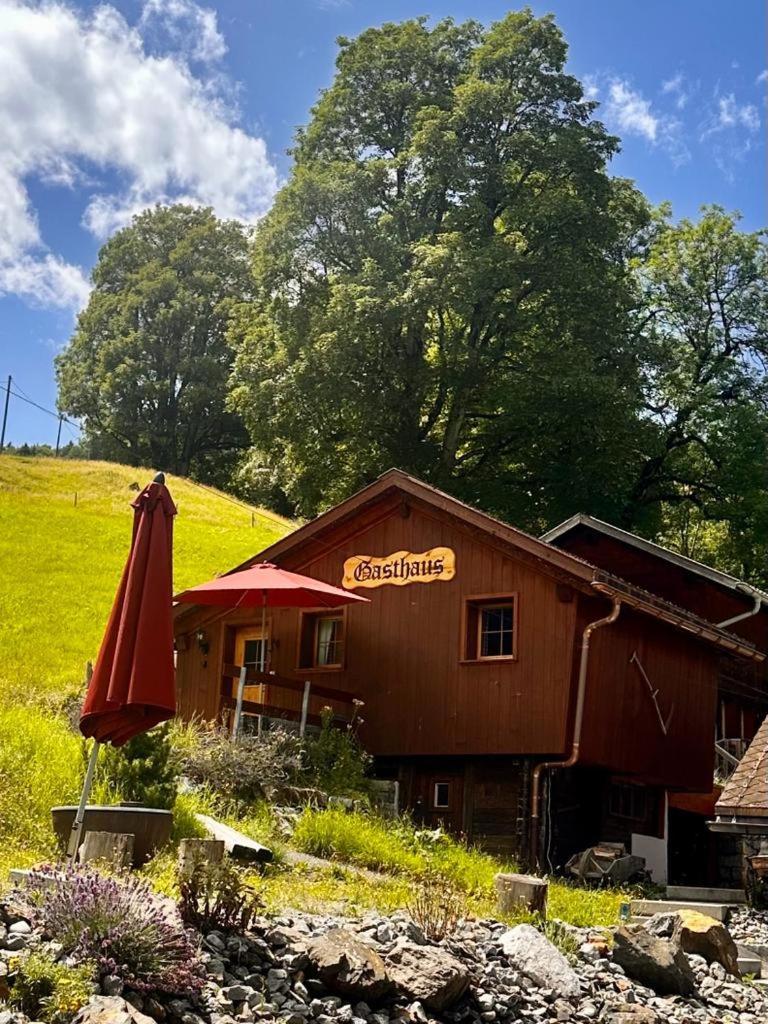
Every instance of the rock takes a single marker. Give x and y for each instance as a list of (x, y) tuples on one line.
[(110, 1010), (111, 985), (658, 963), (535, 956), (348, 966), (428, 974), (703, 935), (631, 1013)]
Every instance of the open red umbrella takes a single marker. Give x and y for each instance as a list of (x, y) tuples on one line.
[(266, 586), (132, 687)]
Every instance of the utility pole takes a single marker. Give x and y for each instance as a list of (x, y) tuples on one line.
[(5, 412), (58, 435)]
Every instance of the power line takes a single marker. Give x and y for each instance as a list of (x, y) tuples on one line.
[(13, 388)]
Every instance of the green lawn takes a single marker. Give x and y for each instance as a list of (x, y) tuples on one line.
[(61, 558)]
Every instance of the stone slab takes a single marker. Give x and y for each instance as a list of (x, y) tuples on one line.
[(647, 908), (699, 895)]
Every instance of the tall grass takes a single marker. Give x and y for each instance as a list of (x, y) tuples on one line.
[(41, 765), (393, 846), (401, 851)]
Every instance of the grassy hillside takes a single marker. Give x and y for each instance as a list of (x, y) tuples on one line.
[(61, 558)]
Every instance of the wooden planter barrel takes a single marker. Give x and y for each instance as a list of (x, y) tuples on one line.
[(151, 827)]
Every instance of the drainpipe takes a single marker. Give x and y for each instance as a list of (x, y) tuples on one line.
[(574, 755), (744, 615)]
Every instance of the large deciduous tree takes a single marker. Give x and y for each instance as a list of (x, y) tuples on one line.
[(703, 439), (442, 284), (148, 366)]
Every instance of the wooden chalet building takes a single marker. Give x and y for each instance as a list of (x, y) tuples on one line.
[(486, 659), (696, 856)]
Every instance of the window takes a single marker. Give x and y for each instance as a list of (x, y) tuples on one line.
[(441, 795), (628, 801), (321, 641), (328, 641), (490, 627), (254, 654)]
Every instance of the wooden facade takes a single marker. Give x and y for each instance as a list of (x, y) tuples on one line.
[(462, 731)]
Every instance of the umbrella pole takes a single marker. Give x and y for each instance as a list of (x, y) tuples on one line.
[(77, 824), (239, 704), (263, 655)]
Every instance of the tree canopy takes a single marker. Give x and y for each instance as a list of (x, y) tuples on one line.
[(147, 369), (443, 284)]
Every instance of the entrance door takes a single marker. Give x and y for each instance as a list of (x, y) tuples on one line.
[(438, 799), (251, 651)]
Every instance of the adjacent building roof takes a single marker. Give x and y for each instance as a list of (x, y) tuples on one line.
[(566, 566), (723, 579), (746, 792)]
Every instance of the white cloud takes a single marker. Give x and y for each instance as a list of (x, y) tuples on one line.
[(627, 112), (728, 130), (80, 95), (728, 115), (186, 26), (630, 112), (762, 77), (677, 87)]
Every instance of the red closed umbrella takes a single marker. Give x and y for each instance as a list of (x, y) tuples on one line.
[(133, 687), (266, 586)]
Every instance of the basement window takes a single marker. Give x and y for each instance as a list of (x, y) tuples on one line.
[(626, 800), (321, 643), (441, 796), (490, 628)]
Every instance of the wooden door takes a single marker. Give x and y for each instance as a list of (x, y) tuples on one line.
[(251, 650), (438, 799)]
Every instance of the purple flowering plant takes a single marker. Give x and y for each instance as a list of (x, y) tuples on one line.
[(120, 924)]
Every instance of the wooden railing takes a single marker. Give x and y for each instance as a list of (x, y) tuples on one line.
[(728, 753), (235, 675)]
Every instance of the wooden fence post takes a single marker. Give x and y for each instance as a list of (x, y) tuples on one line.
[(305, 707)]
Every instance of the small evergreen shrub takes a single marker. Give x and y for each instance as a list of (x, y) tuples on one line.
[(144, 770), (218, 897), (120, 925), (47, 990)]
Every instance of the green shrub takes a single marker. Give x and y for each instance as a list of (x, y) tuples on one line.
[(336, 762), (144, 770), (47, 990)]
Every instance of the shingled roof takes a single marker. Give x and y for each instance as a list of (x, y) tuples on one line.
[(746, 792)]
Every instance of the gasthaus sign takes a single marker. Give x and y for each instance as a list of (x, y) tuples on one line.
[(399, 569)]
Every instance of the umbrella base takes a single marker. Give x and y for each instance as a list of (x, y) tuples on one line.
[(150, 826)]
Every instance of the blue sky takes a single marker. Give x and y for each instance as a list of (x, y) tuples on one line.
[(107, 108)]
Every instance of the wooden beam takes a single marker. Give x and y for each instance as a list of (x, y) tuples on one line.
[(237, 845), (254, 677)]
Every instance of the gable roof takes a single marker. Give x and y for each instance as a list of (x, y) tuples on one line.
[(745, 794), (722, 579), (562, 564)]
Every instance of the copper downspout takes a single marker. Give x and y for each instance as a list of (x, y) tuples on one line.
[(574, 755)]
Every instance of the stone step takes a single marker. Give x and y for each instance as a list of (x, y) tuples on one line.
[(703, 895), (647, 908), (749, 962)]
